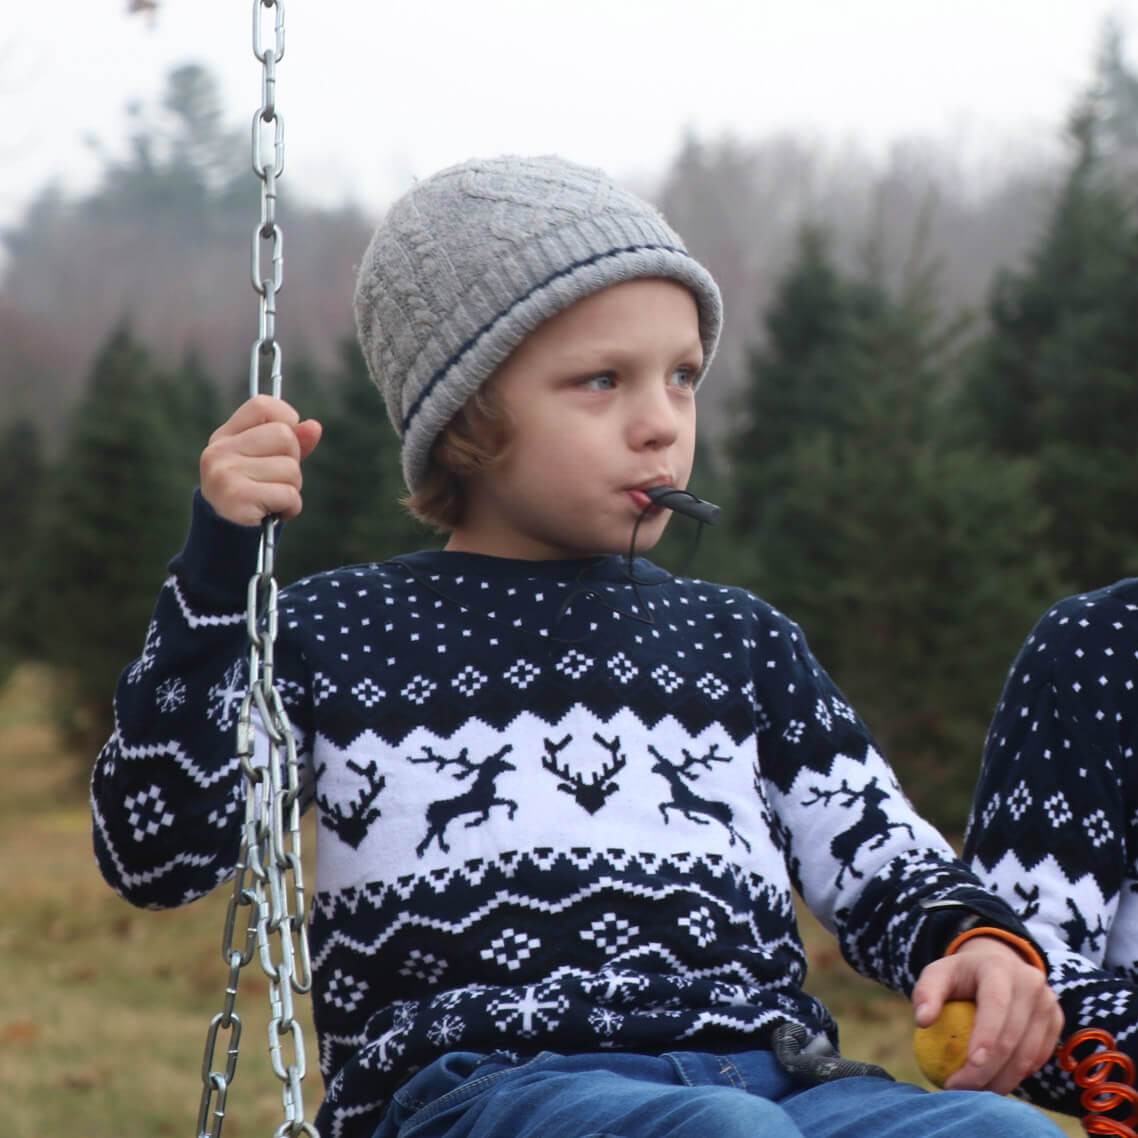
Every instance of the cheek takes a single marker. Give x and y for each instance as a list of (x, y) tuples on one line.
[(556, 440), (541, 460), (685, 451)]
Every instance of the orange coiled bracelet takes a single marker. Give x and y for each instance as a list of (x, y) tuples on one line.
[(1101, 1091)]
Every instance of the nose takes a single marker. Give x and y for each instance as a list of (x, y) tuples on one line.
[(654, 420)]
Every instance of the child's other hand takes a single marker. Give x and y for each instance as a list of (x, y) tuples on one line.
[(1018, 1019), (251, 466)]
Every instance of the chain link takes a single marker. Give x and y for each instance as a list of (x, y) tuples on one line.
[(268, 884)]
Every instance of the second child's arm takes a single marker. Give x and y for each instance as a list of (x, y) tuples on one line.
[(1053, 819)]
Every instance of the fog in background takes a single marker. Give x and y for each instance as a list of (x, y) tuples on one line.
[(917, 133)]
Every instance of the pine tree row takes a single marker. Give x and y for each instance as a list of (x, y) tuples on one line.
[(912, 486)]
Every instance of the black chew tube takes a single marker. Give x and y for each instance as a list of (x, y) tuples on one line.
[(684, 502)]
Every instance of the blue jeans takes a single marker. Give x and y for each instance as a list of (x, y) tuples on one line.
[(683, 1094)]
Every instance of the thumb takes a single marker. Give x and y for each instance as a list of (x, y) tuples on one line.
[(308, 434), (929, 994)]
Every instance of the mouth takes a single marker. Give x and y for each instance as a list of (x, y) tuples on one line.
[(639, 495)]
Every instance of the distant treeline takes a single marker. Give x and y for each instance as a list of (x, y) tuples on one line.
[(912, 485)]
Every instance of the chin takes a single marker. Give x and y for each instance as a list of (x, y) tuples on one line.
[(645, 543)]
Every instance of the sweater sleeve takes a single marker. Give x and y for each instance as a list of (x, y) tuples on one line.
[(1050, 821), (167, 789), (872, 870)]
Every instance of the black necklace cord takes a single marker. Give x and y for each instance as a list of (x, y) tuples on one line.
[(679, 502), (578, 587), (584, 589), (671, 498)]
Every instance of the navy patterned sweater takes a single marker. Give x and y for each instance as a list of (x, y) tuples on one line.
[(1054, 827), (561, 806)]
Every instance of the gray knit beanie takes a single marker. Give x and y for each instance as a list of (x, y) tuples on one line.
[(474, 258)]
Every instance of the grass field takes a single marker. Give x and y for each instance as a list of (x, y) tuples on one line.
[(105, 1008)]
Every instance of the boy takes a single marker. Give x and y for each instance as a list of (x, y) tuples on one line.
[(563, 797), (1054, 823)]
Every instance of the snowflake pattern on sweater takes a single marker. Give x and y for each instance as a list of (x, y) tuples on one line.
[(1054, 826), (561, 806)]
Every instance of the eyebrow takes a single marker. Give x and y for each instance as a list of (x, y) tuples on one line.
[(589, 357)]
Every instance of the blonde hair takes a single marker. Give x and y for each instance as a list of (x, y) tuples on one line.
[(475, 440)]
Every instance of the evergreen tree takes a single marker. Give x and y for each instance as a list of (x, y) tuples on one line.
[(352, 482), (194, 408), (1113, 96), (115, 513), (805, 370), (184, 169), (22, 469), (912, 564), (1057, 379)]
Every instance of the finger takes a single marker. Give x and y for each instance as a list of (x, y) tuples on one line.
[(226, 474), (930, 993), (264, 439), (229, 459), (308, 434), (1036, 1047), (270, 470), (1025, 1041), (245, 489), (250, 509), (278, 500), (258, 409), (1022, 1061), (995, 1038), (1048, 1022), (1001, 1021)]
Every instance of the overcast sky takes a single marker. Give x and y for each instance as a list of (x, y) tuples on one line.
[(376, 91)]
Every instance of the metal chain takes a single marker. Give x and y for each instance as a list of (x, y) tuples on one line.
[(269, 880)]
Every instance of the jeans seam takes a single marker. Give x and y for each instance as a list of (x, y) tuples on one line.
[(675, 1058), (728, 1069), (468, 1089)]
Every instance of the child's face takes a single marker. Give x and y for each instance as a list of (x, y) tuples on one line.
[(602, 406)]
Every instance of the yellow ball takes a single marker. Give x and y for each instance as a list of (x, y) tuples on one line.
[(942, 1048)]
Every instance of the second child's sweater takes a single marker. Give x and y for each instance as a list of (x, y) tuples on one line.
[(1054, 828), (561, 806)]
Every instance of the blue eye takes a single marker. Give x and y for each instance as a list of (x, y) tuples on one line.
[(603, 382), (684, 377)]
